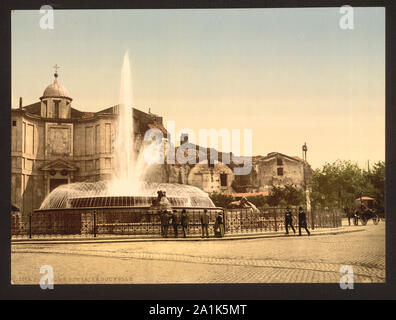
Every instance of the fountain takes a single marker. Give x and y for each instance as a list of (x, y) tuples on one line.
[(127, 189)]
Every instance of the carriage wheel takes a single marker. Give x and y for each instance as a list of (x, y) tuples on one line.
[(364, 222), (376, 219)]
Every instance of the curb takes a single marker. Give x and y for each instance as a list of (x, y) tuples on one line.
[(226, 238)]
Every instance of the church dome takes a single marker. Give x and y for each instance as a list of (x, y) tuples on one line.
[(56, 90)]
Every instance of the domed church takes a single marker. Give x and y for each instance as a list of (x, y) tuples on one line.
[(53, 143)]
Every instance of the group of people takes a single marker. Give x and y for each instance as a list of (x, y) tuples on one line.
[(174, 219), (302, 221), (171, 218)]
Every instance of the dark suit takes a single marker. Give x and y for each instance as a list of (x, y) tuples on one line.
[(302, 222), (174, 223), (184, 222), (289, 221)]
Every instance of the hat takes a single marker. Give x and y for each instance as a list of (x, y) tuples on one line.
[(300, 208)]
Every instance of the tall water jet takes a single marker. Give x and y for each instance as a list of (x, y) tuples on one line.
[(129, 167), (123, 151)]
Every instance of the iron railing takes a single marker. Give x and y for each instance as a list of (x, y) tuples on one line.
[(129, 222)]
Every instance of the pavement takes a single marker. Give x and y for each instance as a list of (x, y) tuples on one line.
[(264, 258)]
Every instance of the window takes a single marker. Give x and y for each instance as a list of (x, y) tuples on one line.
[(14, 123), (279, 162), (223, 179), (56, 108), (45, 111), (280, 171)]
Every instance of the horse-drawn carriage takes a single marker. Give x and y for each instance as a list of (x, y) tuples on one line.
[(364, 211)]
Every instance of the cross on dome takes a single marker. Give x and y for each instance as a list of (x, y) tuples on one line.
[(56, 67)]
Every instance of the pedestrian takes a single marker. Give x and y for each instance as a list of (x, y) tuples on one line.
[(167, 222), (205, 223), (184, 222), (289, 221), (219, 226), (174, 222), (350, 215), (302, 221), (162, 220)]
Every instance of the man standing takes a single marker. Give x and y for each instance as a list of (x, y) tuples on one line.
[(289, 221), (184, 222), (302, 221), (219, 226), (174, 222), (163, 222), (205, 223), (167, 219)]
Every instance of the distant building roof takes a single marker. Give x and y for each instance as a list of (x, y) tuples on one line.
[(364, 198), (276, 154), (250, 194)]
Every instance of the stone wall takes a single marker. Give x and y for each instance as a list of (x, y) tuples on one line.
[(274, 171), (210, 178)]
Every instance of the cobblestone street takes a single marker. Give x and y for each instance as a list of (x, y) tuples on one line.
[(292, 259)]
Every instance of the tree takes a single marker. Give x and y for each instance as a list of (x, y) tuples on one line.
[(287, 195), (275, 196), (293, 196), (338, 184), (221, 200), (376, 184), (258, 201)]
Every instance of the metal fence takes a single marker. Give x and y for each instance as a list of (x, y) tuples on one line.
[(273, 219), (142, 222)]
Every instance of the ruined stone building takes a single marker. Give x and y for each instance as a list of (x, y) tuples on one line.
[(274, 170)]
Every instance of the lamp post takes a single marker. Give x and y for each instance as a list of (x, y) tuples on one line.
[(305, 149), (307, 191)]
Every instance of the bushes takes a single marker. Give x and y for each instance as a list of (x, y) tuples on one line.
[(258, 201), (278, 197), (221, 200), (286, 196)]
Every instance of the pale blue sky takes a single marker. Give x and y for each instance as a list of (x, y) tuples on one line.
[(290, 75)]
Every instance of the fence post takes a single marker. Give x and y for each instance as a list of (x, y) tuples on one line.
[(276, 223), (30, 225), (94, 226)]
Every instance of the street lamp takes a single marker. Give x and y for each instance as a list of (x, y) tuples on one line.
[(307, 191), (305, 149)]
